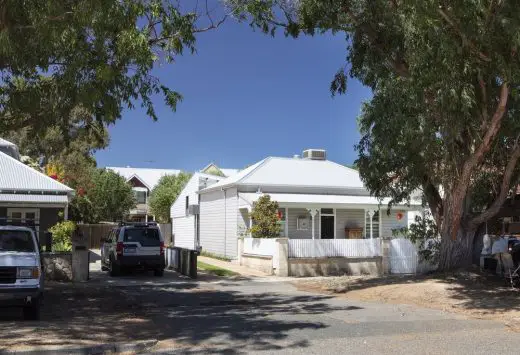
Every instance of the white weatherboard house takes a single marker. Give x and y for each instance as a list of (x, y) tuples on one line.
[(318, 199), (184, 211)]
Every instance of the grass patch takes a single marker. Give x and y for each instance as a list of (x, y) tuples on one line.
[(215, 270), (214, 256)]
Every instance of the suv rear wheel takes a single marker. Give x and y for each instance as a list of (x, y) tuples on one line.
[(114, 269)]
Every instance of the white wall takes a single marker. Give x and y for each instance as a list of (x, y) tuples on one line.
[(231, 222), (178, 208), (218, 222), (243, 220), (184, 231), (292, 220), (390, 222)]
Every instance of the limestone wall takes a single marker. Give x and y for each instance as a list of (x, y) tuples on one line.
[(57, 266), (306, 267), (258, 262)]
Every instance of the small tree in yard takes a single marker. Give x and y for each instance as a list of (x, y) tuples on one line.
[(265, 218), (62, 236), (165, 194), (110, 196)]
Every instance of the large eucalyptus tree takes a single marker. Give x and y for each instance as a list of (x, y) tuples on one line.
[(444, 113)]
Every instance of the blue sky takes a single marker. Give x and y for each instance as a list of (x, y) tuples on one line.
[(246, 96)]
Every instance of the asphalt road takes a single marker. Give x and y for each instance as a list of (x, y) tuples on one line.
[(239, 316)]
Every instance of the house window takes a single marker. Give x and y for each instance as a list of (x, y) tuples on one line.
[(329, 211), (25, 216), (140, 197), (375, 225)]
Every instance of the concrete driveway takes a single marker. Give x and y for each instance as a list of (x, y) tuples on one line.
[(239, 316)]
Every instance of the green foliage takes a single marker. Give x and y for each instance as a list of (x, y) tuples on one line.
[(62, 236), (214, 256), (424, 234), (81, 63), (108, 197), (213, 170), (164, 195), (265, 218), (215, 270)]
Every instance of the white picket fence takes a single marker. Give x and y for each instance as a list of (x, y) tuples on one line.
[(320, 248)]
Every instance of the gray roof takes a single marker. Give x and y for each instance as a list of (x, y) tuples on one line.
[(292, 172), (16, 176)]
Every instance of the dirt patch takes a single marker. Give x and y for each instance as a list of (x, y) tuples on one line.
[(470, 293)]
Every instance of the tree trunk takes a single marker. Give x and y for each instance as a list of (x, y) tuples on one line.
[(458, 253)]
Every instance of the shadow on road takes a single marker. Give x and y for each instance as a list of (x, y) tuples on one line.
[(471, 291), (185, 313)]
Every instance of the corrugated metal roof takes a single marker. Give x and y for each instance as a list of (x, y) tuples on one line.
[(9, 148), (235, 179), (274, 171), (23, 198), (229, 172), (4, 142), (15, 175), (150, 177)]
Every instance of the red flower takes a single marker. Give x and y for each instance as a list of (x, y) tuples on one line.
[(54, 176)]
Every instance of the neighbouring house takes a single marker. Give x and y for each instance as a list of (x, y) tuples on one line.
[(213, 169), (143, 181), (318, 199), (27, 195), (184, 211)]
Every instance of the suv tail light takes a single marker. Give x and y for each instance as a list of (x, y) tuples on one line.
[(119, 248), (162, 248)]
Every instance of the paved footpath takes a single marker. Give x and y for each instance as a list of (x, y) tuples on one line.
[(246, 315)]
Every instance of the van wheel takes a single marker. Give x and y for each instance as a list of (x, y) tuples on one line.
[(114, 268), (32, 312), (158, 272)]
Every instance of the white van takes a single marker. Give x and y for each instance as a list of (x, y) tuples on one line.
[(21, 270)]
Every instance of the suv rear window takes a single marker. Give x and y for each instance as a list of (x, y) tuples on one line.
[(147, 237), (15, 240)]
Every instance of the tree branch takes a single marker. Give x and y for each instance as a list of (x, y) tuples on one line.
[(476, 158), (504, 190), (465, 41), (434, 200), (398, 64)]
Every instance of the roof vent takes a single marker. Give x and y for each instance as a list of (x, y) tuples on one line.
[(315, 154)]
